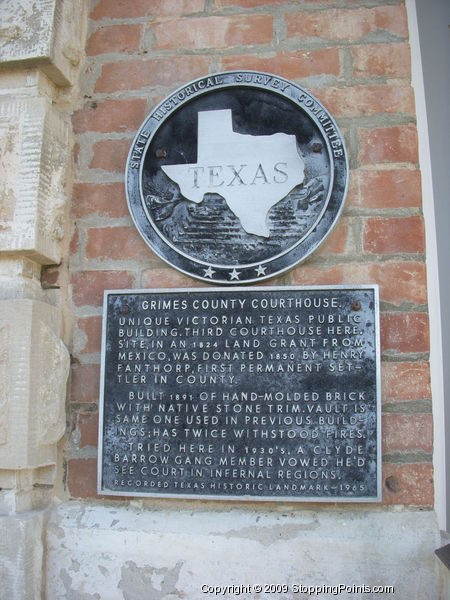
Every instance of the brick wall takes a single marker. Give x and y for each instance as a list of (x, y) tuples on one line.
[(354, 56)]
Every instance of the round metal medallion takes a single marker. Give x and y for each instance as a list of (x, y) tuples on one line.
[(237, 177)]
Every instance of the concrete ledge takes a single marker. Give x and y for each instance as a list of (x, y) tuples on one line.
[(118, 552)]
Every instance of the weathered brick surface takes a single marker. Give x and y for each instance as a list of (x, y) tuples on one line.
[(110, 115), (410, 484), (115, 243), (137, 74), (396, 188), (91, 329), (355, 57), (124, 9), (82, 480), (407, 432), (406, 381), (88, 286), (115, 38), (291, 65), (248, 3), (88, 428), (82, 477), (404, 332), (400, 282), (213, 32), (74, 242), (85, 383), (103, 199), (110, 155), (337, 242), (361, 100), (389, 144), (381, 60), (168, 278), (394, 235), (76, 152), (348, 25), (50, 277)]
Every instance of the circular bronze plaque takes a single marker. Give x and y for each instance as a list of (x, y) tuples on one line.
[(237, 177)]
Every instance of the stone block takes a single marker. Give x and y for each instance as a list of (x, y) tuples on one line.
[(26, 489), (45, 33), (171, 552), (21, 550), (34, 367), (34, 144)]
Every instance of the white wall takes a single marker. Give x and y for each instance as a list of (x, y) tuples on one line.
[(430, 48)]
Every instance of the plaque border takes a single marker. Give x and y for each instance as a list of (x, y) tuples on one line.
[(281, 263), (244, 498)]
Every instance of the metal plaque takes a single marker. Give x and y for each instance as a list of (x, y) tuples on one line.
[(236, 177), (241, 393)]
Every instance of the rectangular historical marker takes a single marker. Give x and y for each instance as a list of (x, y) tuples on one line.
[(250, 393)]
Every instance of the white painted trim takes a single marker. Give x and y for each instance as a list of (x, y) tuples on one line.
[(434, 307)]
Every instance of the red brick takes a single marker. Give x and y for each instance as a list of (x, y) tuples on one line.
[(404, 332), (92, 329), (82, 480), (116, 38), (257, 3), (103, 199), (247, 3), (367, 100), (137, 74), (410, 484), (213, 32), (82, 477), (317, 275), (110, 155), (397, 188), (405, 381), (50, 277), (389, 144), (85, 383), (336, 242), (348, 25), (110, 115), (403, 433), (76, 152), (74, 243), (352, 198), (392, 235), (399, 282), (88, 286), (116, 243), (291, 65), (124, 9), (88, 428), (168, 278), (382, 60)]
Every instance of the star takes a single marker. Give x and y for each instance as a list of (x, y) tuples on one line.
[(260, 270), (209, 272), (234, 275)]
